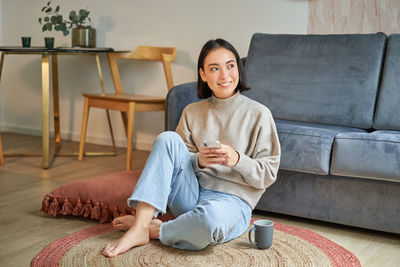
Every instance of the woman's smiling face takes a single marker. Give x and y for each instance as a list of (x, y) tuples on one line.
[(221, 73)]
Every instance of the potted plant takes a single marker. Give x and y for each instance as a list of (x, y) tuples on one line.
[(83, 35)]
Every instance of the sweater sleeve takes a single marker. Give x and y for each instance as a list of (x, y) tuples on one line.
[(185, 133), (260, 168)]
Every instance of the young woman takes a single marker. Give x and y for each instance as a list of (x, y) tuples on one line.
[(210, 191)]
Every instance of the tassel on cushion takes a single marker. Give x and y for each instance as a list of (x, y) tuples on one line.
[(116, 213), (66, 208), (105, 213), (87, 208), (123, 213), (54, 207), (96, 211), (78, 208), (45, 204)]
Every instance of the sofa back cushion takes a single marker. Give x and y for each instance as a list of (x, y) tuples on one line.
[(388, 108), (330, 79)]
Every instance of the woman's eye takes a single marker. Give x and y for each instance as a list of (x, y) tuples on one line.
[(230, 66), (214, 69)]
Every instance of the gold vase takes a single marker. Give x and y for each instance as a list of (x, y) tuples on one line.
[(84, 37)]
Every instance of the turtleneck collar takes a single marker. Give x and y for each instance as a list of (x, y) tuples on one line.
[(225, 103)]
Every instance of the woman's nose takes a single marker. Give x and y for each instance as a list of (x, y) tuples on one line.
[(223, 73)]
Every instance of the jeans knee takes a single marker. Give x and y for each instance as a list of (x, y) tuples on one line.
[(167, 137), (210, 225)]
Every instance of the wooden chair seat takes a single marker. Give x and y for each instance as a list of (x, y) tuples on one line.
[(127, 98), (128, 104)]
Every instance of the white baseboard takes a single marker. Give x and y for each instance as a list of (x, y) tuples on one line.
[(143, 144)]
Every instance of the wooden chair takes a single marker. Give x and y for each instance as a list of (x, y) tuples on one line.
[(128, 104), (1, 152)]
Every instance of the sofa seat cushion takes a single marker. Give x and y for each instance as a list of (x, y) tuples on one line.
[(307, 147), (368, 155)]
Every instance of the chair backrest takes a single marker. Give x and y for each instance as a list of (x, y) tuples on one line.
[(153, 53)]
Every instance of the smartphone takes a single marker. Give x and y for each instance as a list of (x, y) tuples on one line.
[(212, 144)]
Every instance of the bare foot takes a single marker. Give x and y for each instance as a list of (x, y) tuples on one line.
[(124, 223), (135, 236), (154, 228)]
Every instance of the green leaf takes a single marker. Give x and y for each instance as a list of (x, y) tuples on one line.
[(83, 12), (49, 3), (66, 32), (72, 14), (49, 26), (44, 28), (40, 20), (59, 19), (54, 19), (57, 8), (44, 8), (48, 10), (46, 19)]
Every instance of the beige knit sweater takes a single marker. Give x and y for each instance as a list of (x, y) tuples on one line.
[(248, 127)]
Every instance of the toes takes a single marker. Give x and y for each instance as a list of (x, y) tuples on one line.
[(120, 227), (109, 250), (110, 254), (156, 222)]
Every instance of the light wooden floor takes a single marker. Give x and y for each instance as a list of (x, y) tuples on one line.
[(24, 231)]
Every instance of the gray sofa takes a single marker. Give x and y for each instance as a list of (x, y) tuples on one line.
[(336, 104)]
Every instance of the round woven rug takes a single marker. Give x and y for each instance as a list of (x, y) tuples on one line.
[(292, 246)]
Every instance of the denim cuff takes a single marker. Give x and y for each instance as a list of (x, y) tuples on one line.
[(134, 203)]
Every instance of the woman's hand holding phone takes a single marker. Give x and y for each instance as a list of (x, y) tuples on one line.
[(211, 154)]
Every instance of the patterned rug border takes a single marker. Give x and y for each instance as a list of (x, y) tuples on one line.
[(51, 255), (338, 254)]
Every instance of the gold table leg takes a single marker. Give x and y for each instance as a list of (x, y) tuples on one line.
[(47, 155), (1, 146), (56, 103), (1, 64)]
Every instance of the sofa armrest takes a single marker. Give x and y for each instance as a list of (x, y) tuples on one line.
[(177, 99)]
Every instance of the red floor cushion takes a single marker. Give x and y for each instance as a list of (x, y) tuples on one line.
[(103, 197)]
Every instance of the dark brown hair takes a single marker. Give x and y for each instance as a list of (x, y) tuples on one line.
[(203, 91)]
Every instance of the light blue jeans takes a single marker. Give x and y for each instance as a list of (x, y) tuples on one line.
[(203, 216)]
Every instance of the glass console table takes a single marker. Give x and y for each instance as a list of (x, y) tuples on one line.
[(49, 56)]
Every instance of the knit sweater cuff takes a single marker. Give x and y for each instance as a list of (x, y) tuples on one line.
[(195, 162), (243, 164)]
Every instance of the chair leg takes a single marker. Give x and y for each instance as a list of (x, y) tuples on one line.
[(124, 117), (131, 123), (85, 119), (1, 152)]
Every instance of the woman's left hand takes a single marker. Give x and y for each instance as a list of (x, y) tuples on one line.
[(230, 155)]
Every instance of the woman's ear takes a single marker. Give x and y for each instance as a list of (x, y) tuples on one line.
[(202, 75)]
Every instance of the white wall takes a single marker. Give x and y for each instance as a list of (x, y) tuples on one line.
[(125, 24)]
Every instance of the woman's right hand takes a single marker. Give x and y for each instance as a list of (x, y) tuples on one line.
[(210, 156)]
